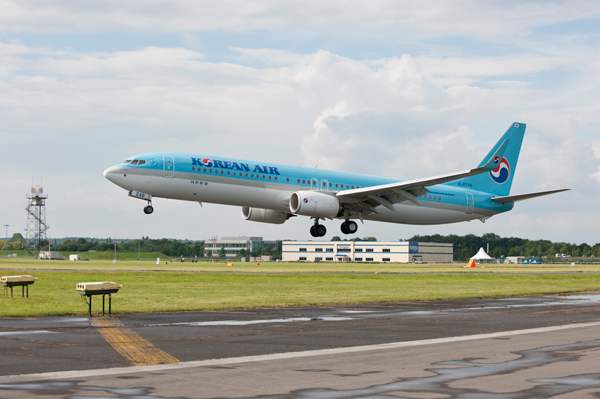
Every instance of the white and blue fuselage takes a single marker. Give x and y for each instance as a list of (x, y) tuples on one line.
[(271, 193)]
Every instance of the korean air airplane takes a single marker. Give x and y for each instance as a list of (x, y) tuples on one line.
[(272, 193)]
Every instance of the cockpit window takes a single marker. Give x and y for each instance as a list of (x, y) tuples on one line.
[(138, 162), (127, 161)]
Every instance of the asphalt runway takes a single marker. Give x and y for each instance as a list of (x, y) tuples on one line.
[(505, 348)]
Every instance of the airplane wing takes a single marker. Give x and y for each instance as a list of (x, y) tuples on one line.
[(521, 197), (369, 198)]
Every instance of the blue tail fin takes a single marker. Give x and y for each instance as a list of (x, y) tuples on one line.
[(499, 180)]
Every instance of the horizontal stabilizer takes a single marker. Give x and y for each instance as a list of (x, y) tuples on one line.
[(521, 197)]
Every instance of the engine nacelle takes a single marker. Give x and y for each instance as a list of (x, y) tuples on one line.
[(264, 215), (315, 204)]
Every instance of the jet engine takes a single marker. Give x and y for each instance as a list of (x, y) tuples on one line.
[(264, 215), (315, 204)]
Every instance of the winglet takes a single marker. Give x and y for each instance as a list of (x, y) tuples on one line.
[(492, 164)]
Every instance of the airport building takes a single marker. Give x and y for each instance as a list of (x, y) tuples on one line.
[(366, 251), (233, 245)]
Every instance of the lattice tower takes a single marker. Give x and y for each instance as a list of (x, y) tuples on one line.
[(36, 220), (214, 254)]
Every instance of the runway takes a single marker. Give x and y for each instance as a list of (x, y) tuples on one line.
[(510, 348)]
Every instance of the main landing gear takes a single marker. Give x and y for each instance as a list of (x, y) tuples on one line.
[(148, 209), (349, 227), (318, 230)]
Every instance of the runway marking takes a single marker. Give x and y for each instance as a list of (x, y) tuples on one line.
[(134, 348), (280, 356), (11, 333), (250, 322)]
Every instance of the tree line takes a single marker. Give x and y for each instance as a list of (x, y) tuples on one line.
[(464, 246), (170, 247), (468, 245)]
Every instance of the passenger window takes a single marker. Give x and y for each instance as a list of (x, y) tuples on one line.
[(287, 179), (298, 180), (222, 172), (330, 184), (336, 185), (193, 168), (269, 177), (204, 170), (252, 175), (246, 174), (353, 187), (303, 181), (263, 177)]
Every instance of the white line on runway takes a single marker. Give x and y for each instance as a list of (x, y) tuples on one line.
[(279, 356), (250, 322), (11, 333)]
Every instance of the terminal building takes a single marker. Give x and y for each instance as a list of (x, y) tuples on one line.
[(233, 245), (366, 251)]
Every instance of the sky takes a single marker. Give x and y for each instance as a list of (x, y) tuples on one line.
[(400, 89)]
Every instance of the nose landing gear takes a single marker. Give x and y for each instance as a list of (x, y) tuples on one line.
[(148, 209)]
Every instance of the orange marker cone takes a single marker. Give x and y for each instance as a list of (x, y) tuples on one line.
[(471, 263)]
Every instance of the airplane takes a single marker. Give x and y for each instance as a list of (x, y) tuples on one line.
[(273, 193)]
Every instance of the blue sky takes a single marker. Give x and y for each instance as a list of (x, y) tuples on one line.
[(389, 88)]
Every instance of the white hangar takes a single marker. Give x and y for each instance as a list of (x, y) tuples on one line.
[(366, 251)]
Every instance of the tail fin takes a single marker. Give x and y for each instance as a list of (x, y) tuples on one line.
[(499, 180)]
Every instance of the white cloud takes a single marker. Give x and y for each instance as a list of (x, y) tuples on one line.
[(465, 17), (71, 114)]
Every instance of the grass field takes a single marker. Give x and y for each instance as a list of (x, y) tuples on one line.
[(181, 286), (102, 255), (285, 267)]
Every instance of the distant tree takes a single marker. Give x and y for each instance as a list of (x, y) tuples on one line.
[(222, 253), (336, 238), (17, 237)]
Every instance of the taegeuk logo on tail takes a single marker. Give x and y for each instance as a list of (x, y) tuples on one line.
[(501, 174)]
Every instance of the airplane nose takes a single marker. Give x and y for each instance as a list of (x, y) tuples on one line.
[(111, 174)]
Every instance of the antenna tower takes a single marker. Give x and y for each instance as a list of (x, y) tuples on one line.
[(214, 254), (36, 220)]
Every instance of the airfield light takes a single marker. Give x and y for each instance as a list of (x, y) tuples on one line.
[(15, 281), (98, 288)]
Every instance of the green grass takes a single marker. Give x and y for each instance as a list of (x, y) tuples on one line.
[(284, 267), (54, 293), (100, 255)]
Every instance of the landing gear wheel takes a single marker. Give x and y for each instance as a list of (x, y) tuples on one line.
[(148, 209), (320, 230), (313, 231), (349, 227), (344, 228), (352, 227)]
